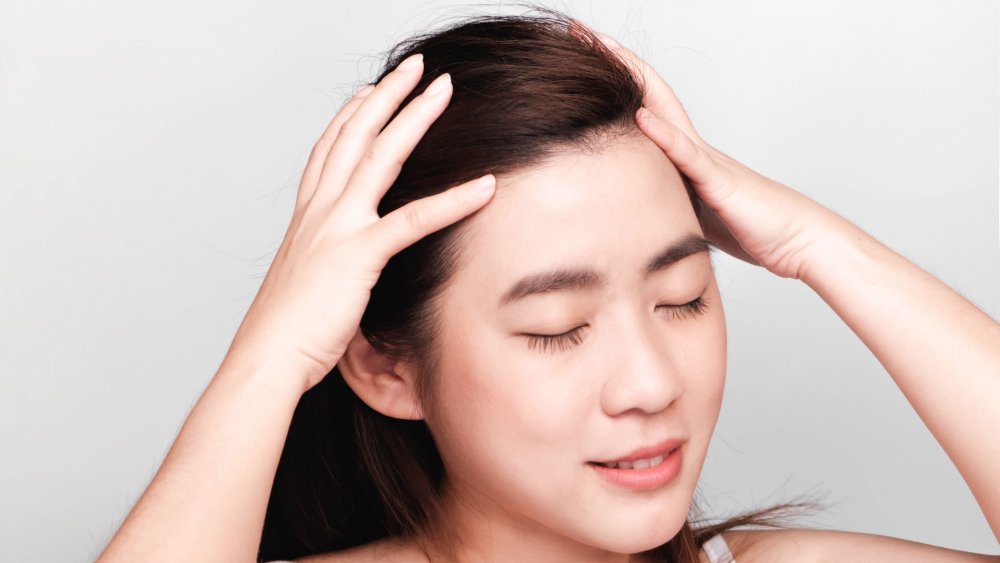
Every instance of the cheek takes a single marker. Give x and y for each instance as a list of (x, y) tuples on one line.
[(498, 406), (487, 392), (488, 405), (706, 359), (491, 411)]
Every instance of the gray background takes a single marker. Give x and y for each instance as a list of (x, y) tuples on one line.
[(150, 154)]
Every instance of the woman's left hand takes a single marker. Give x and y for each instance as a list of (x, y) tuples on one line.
[(745, 214)]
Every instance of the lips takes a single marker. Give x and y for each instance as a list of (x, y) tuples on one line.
[(645, 453), (642, 475)]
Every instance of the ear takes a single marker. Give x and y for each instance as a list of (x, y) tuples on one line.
[(384, 384)]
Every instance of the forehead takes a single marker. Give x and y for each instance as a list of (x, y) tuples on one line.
[(605, 210)]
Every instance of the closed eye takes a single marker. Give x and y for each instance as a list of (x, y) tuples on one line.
[(689, 309), (550, 342), (559, 342)]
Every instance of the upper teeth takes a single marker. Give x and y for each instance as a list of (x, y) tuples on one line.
[(636, 463)]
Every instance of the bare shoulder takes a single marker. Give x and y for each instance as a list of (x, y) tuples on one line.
[(385, 551), (831, 546)]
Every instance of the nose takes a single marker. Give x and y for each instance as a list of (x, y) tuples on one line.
[(644, 376)]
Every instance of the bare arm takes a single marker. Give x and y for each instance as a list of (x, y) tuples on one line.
[(940, 349), (208, 499)]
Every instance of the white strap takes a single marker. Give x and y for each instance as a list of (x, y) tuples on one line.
[(718, 550)]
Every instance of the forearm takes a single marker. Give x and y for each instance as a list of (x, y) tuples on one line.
[(941, 350), (207, 501)]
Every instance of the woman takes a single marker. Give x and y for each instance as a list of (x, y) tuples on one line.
[(493, 332)]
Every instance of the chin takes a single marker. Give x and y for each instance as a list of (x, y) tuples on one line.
[(634, 535)]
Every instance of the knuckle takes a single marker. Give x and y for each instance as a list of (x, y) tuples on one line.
[(351, 127), (373, 153), (378, 154), (415, 216), (321, 148), (457, 198)]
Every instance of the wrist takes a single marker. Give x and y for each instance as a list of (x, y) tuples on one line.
[(277, 374), (840, 250)]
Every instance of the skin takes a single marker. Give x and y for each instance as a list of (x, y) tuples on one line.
[(207, 501), (931, 341), (516, 434)]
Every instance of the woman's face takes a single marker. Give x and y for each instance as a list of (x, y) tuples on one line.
[(519, 419)]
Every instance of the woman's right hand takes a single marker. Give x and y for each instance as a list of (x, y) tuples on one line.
[(311, 301)]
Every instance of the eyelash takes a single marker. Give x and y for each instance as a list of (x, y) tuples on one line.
[(551, 342)]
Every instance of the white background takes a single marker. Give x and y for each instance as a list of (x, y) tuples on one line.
[(150, 154)]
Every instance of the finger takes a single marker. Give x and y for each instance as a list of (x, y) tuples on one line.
[(320, 151), (417, 219), (361, 128), (385, 156), (691, 159), (719, 234), (658, 96)]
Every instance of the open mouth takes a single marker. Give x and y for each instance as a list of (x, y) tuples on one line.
[(634, 464), (641, 474), (643, 458)]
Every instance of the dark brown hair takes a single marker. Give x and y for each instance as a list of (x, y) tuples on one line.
[(525, 88)]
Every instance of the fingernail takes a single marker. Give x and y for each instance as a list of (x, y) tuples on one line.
[(411, 62), (483, 185), (608, 40), (439, 85)]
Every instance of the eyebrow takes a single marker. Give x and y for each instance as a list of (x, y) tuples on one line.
[(579, 278)]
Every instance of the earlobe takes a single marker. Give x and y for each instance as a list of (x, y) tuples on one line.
[(384, 384)]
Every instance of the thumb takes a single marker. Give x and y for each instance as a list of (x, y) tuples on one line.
[(719, 234), (691, 159)]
